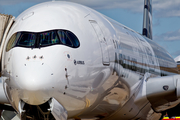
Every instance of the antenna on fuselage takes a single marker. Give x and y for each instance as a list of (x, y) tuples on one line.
[(147, 21)]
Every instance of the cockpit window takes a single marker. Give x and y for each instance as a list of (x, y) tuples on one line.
[(64, 38), (48, 38), (73, 38), (12, 41), (26, 40), (43, 39)]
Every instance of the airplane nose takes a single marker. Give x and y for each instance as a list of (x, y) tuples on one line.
[(35, 82)]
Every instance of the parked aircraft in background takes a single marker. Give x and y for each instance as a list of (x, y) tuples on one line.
[(61, 60)]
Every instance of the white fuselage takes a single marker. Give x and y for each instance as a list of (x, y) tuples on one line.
[(88, 81)]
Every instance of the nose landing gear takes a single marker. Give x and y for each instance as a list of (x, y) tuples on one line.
[(51, 110), (40, 112)]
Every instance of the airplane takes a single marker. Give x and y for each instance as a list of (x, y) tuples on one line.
[(62, 60)]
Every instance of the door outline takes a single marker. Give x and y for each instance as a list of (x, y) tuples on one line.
[(102, 41)]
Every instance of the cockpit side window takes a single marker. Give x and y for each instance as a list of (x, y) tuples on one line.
[(12, 41), (48, 38), (26, 40), (64, 38), (73, 39)]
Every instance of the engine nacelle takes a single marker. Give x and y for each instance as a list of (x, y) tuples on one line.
[(163, 92)]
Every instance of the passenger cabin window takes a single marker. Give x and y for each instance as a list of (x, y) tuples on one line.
[(43, 39)]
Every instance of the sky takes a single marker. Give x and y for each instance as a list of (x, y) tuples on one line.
[(166, 16)]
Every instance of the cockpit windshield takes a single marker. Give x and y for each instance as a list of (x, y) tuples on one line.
[(48, 38), (43, 39), (26, 39)]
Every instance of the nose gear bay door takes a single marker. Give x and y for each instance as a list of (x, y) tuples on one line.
[(103, 43)]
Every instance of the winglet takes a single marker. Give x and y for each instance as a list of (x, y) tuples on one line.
[(147, 22)]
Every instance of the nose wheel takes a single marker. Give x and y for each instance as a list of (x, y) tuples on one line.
[(40, 112)]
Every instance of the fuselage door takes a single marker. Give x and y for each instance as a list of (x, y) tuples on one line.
[(103, 43)]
